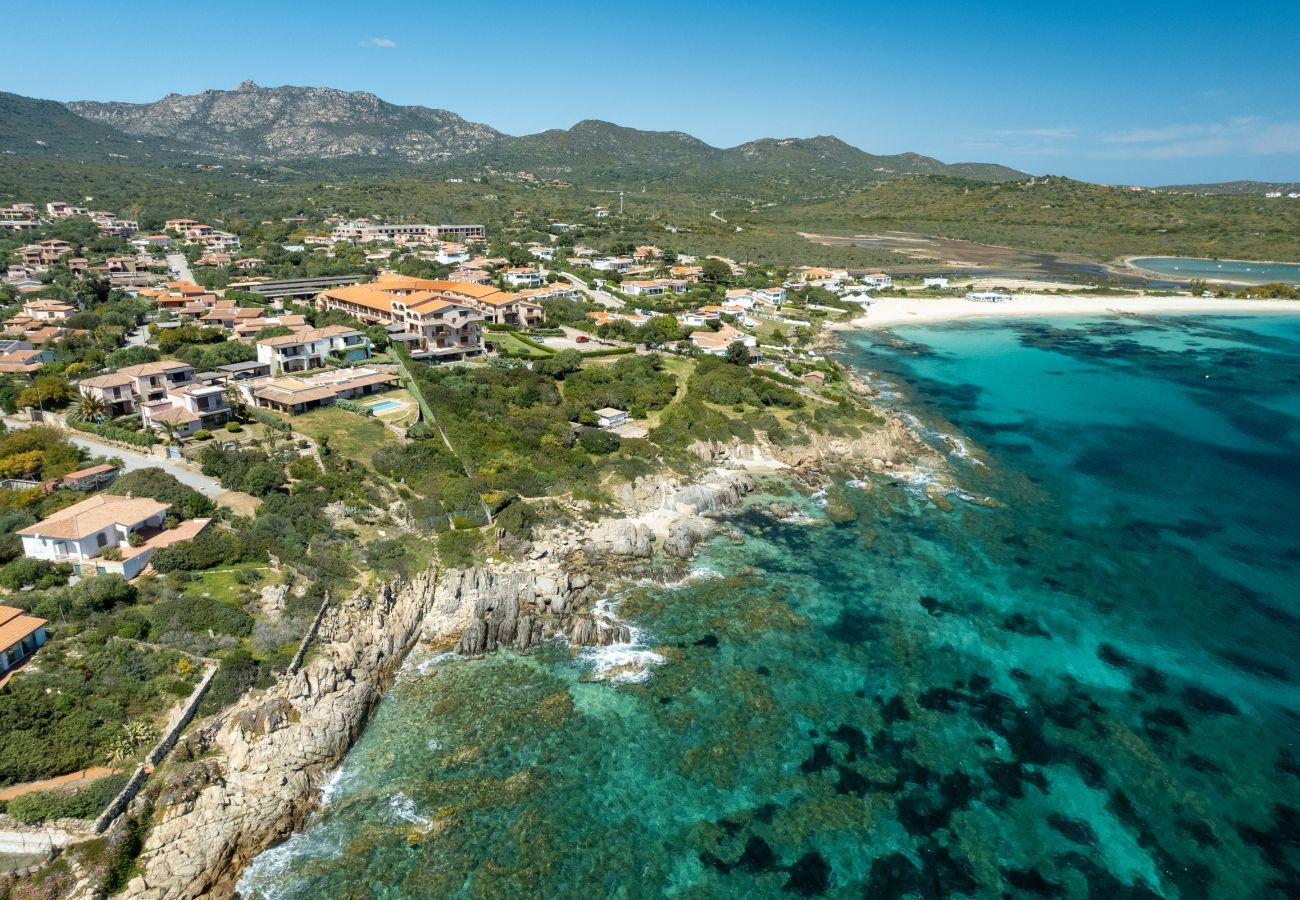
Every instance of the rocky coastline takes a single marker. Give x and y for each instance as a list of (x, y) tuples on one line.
[(262, 764)]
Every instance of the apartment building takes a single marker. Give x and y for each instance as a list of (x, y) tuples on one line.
[(435, 320), (312, 348)]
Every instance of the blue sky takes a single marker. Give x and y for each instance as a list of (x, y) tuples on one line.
[(1134, 92)]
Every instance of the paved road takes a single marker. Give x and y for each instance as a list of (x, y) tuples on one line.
[(180, 267), (131, 460), (600, 297)]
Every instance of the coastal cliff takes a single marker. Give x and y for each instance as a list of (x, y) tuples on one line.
[(265, 760), (555, 592), (262, 764)]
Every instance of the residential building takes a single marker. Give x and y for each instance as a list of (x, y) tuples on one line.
[(312, 348), (642, 288), (116, 392), (510, 309), (523, 276), (934, 282), (610, 417), (92, 479), (718, 343), (739, 298), (542, 252), (187, 409), (775, 295), (988, 296), (44, 253), (452, 254), (47, 311), (153, 381), (298, 395), (60, 210), (21, 358), (439, 319), (877, 280), (82, 532), (21, 635), (149, 241), (612, 263)]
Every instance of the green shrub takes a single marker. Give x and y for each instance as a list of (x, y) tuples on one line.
[(85, 803), (199, 615), (40, 573), (215, 546), (202, 435), (354, 406), (164, 487), (113, 433), (234, 427), (594, 440)]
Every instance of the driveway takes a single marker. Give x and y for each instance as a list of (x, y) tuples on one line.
[(180, 267), (132, 460), (600, 297)]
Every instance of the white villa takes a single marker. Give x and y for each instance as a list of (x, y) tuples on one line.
[(81, 533), (987, 296)]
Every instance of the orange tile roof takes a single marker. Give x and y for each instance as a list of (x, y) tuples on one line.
[(16, 625), (160, 367), (93, 514)]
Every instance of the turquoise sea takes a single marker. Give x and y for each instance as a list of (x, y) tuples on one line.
[(1219, 270), (1074, 676)]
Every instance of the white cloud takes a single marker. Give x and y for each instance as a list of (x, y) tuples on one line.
[(1059, 132), (379, 42), (1242, 135)]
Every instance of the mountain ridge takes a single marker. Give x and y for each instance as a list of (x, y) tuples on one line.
[(313, 127)]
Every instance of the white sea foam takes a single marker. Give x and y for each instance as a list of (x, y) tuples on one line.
[(403, 809), (333, 784), (922, 480), (626, 662), (423, 665)]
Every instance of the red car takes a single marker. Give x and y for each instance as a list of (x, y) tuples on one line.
[(582, 339)]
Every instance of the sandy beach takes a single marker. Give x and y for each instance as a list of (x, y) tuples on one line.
[(890, 311)]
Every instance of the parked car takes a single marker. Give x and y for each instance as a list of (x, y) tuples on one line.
[(582, 339)]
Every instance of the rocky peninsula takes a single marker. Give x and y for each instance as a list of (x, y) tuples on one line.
[(261, 765)]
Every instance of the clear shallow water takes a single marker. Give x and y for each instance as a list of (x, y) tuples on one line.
[(1213, 269), (1089, 690)]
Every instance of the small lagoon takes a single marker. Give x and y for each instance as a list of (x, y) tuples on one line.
[(1186, 269)]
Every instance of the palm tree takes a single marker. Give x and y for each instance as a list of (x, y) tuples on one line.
[(91, 408), (169, 429)]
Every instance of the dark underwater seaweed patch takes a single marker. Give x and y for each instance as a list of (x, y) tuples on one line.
[(855, 627), (1076, 830), (810, 875), (853, 737), (1032, 882), (819, 761), (1019, 623), (1208, 702)]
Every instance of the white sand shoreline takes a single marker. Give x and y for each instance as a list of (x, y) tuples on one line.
[(890, 311)]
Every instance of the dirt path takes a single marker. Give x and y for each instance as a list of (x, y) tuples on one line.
[(90, 774)]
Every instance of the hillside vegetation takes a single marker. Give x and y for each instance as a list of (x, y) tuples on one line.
[(1062, 216)]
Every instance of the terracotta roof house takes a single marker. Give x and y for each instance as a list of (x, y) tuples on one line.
[(20, 636), (81, 533)]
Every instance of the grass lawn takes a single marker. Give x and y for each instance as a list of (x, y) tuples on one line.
[(507, 341), (221, 582), (351, 434)]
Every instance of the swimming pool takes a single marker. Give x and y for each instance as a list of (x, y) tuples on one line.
[(384, 405)]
